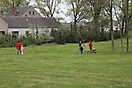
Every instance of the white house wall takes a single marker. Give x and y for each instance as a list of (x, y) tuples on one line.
[(22, 31)]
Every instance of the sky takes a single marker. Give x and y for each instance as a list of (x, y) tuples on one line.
[(62, 6)]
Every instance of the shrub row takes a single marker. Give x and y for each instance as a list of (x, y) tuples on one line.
[(61, 36)]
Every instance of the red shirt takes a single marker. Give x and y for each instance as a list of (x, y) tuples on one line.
[(18, 45), (90, 44)]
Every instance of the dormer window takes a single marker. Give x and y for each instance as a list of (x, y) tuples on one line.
[(33, 12), (29, 12)]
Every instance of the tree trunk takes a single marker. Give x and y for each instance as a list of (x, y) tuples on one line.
[(111, 27), (126, 26), (122, 34), (122, 42)]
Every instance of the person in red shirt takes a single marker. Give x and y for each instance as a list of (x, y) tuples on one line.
[(90, 45), (18, 47)]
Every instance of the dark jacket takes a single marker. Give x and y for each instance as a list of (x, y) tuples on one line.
[(81, 48)]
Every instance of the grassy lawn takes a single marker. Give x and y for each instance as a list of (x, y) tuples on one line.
[(61, 66)]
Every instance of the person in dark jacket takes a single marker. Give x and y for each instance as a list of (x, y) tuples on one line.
[(80, 43), (81, 49)]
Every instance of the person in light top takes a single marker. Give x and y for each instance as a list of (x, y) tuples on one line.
[(86, 48), (22, 49)]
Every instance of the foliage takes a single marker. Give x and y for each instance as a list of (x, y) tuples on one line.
[(38, 42), (48, 7), (79, 10), (83, 34), (7, 41), (39, 33), (6, 5)]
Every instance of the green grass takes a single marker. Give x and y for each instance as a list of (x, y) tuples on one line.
[(61, 66)]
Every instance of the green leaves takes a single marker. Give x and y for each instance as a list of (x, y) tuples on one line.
[(48, 7), (6, 5)]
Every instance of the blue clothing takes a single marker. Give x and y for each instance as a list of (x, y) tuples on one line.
[(81, 50)]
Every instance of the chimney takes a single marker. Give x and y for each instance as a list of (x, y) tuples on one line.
[(26, 16), (14, 10)]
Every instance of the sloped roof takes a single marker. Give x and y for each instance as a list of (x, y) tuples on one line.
[(21, 11), (66, 25), (23, 22)]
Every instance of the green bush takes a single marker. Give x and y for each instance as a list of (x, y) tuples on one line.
[(24, 43), (38, 42)]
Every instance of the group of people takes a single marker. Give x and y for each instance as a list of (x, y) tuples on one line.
[(19, 47), (90, 45), (88, 48)]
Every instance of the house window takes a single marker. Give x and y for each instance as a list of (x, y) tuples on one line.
[(15, 33), (30, 12), (33, 12)]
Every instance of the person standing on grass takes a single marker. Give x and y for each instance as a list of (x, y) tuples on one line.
[(86, 48), (80, 43), (90, 45), (18, 47), (22, 49), (81, 49)]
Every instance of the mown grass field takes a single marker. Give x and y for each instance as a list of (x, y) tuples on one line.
[(61, 66)]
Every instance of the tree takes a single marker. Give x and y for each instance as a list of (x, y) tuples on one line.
[(6, 5), (109, 10), (120, 16), (126, 26), (96, 10), (123, 15), (78, 10), (48, 7), (111, 27), (40, 34)]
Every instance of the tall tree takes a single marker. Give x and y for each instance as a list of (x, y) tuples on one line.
[(78, 9), (96, 10), (119, 11), (6, 5), (109, 10), (111, 27), (48, 7), (123, 15), (126, 26)]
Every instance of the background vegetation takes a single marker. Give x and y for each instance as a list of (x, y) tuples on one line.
[(60, 36)]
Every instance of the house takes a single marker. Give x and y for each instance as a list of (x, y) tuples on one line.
[(20, 19), (66, 25), (69, 25), (21, 25), (23, 11)]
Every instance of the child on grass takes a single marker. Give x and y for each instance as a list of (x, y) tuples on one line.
[(22, 49), (18, 47), (94, 50), (86, 48)]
